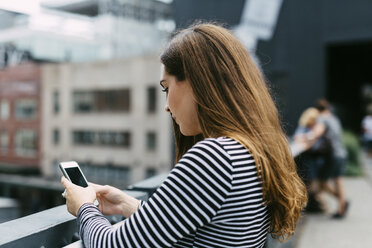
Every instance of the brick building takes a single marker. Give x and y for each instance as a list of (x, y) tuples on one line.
[(20, 118)]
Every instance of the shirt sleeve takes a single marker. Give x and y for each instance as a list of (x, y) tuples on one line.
[(188, 199), (322, 120)]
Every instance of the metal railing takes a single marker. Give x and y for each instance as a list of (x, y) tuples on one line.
[(55, 227)]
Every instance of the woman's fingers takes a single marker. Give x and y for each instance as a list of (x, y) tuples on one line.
[(93, 184), (65, 182), (99, 188)]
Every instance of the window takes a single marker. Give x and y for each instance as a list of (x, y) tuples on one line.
[(150, 172), (151, 141), (114, 138), (56, 106), (56, 136), (4, 110), (101, 101), (102, 138), (83, 137), (4, 142), (56, 170), (151, 99), (25, 109), (123, 174), (25, 143), (83, 102), (107, 173)]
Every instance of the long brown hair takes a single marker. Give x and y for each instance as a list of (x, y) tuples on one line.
[(233, 101)]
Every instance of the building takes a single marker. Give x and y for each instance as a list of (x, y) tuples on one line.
[(20, 114), (108, 116), (80, 31), (318, 49), (86, 30), (321, 49)]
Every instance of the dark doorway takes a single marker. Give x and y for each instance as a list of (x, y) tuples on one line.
[(349, 76)]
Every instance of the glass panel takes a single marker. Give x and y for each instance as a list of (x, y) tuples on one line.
[(25, 109), (83, 102), (4, 110), (56, 107), (102, 101), (102, 138), (151, 99), (151, 141), (56, 136), (150, 172), (25, 143), (4, 142)]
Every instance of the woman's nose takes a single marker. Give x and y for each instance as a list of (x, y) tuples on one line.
[(167, 109)]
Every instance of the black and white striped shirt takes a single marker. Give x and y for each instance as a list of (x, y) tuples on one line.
[(211, 198)]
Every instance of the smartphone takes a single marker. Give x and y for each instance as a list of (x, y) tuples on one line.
[(71, 170)]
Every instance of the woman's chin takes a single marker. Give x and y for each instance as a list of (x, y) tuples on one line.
[(189, 132), (185, 133)]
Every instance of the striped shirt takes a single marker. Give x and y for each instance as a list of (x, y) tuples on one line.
[(211, 198)]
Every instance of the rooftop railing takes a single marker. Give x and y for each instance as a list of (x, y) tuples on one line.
[(55, 227)]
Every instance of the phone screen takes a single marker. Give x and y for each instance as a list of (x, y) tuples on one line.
[(76, 176)]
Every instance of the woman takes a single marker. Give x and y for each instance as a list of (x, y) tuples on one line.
[(309, 162), (235, 179), (304, 135)]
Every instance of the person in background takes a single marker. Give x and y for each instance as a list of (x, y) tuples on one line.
[(328, 122), (304, 134), (367, 131), (235, 179), (307, 161)]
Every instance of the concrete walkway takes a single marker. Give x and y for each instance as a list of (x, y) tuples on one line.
[(354, 231)]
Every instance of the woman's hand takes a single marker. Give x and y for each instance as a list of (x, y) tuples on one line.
[(76, 196), (114, 201)]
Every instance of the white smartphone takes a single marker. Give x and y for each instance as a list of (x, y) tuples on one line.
[(71, 170)]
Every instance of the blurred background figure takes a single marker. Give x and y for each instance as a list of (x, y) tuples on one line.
[(367, 131), (330, 124), (306, 159), (304, 131)]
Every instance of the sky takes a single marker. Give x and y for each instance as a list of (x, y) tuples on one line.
[(32, 7), (23, 6)]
